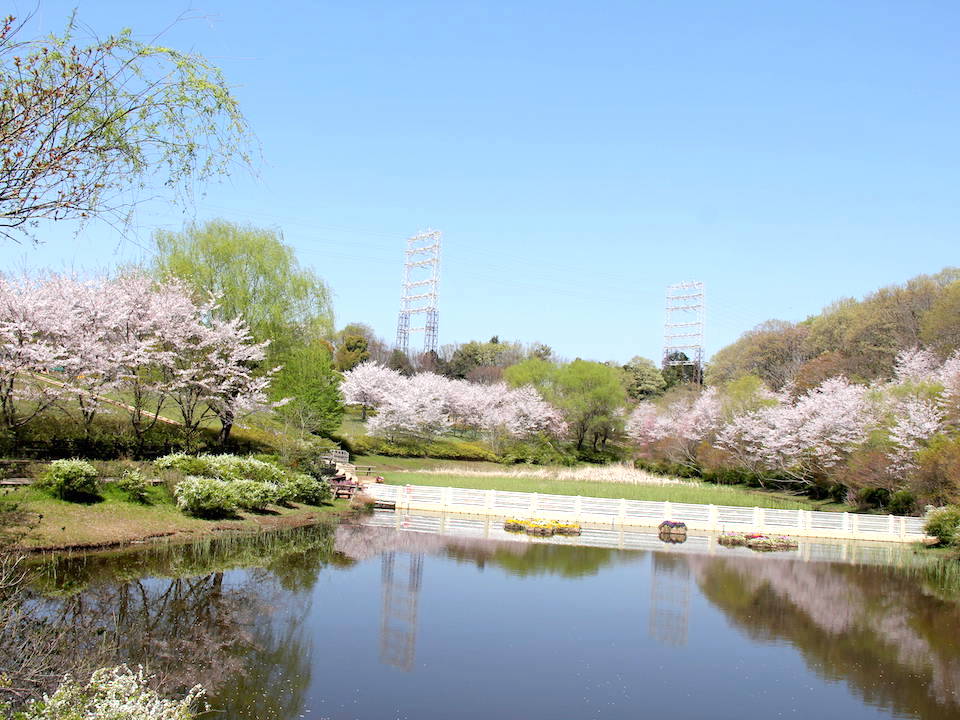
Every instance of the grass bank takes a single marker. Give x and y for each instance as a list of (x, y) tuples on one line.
[(37, 521), (610, 483)]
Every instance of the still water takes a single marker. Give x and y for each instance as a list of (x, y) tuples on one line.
[(371, 622)]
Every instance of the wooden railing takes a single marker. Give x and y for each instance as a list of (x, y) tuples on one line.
[(642, 513)]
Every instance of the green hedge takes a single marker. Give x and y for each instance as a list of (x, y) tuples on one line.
[(442, 448)]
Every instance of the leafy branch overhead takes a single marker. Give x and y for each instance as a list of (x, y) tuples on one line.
[(83, 127)]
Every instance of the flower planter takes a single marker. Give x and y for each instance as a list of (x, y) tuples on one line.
[(758, 541), (671, 531), (541, 528)]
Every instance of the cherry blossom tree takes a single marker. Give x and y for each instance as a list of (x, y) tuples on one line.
[(32, 329), (66, 337), (917, 419), (686, 422), (370, 385), (416, 407), (806, 438), (916, 365)]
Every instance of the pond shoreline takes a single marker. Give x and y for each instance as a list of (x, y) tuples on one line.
[(175, 528)]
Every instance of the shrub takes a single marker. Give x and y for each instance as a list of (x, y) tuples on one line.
[(225, 467), (944, 525), (441, 448), (134, 485), (535, 452), (937, 478), (300, 487), (902, 502), (206, 497), (186, 464), (253, 494), (113, 694), (233, 467), (70, 480)]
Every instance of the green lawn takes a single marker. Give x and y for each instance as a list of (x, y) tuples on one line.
[(46, 522), (399, 471)]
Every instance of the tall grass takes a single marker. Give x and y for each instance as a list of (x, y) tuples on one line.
[(616, 473)]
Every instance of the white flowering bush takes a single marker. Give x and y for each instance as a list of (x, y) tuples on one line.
[(300, 487), (225, 467), (254, 495), (206, 497), (115, 693), (70, 479), (234, 467), (187, 464)]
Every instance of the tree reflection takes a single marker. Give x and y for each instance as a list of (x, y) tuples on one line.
[(871, 627), (203, 624)]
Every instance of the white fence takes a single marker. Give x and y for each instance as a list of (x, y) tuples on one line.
[(641, 513)]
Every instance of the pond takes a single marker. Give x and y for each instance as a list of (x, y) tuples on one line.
[(431, 620)]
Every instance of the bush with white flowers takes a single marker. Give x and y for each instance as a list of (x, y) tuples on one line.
[(116, 693)]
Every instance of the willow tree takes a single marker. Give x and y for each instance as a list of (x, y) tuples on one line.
[(255, 275), (85, 127)]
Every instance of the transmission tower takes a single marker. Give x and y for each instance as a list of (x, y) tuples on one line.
[(683, 328), (419, 292)]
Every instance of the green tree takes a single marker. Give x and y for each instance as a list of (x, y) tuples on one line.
[(773, 350), (941, 324), (534, 371), (255, 275), (643, 379), (590, 394), (85, 126), (310, 386), (351, 351), (400, 362)]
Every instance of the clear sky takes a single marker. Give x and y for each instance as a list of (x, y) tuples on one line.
[(578, 157)]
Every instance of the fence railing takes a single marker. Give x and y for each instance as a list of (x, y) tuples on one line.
[(337, 456), (643, 513)]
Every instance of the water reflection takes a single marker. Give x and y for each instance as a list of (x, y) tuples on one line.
[(670, 599), (893, 644), (398, 616), (316, 622)]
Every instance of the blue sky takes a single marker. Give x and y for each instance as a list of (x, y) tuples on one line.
[(579, 157)]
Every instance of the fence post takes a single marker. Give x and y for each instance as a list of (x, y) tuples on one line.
[(800, 519), (845, 523), (534, 504), (891, 524), (578, 508), (903, 528), (446, 497), (854, 524), (668, 510), (622, 516), (759, 518), (489, 500), (713, 518)]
